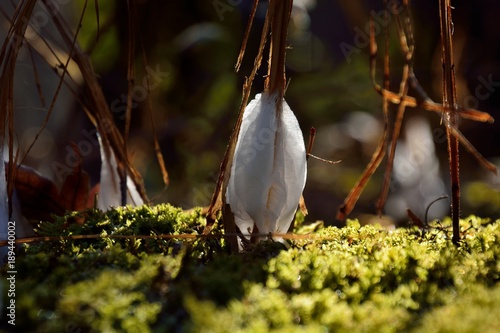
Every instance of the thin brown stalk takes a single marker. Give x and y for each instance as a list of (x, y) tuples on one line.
[(97, 104), (37, 78), (218, 197), (450, 103), (158, 153), (470, 148), (310, 144), (429, 105), (396, 130), (350, 201), (302, 201), (246, 36), (97, 19), (276, 21), (276, 80), (407, 51), (60, 82), (132, 14), (8, 56), (353, 196), (225, 235), (451, 112), (415, 219)]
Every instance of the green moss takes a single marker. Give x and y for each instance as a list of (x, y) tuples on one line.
[(476, 311), (351, 279)]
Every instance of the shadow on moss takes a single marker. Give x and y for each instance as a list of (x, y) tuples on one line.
[(351, 279)]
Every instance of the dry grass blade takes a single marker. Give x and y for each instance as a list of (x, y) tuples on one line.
[(132, 14), (60, 83), (352, 198), (450, 103), (276, 80), (37, 78), (431, 106), (470, 148), (95, 102), (216, 203), (276, 22), (158, 153), (98, 21), (186, 237), (247, 34), (8, 57), (449, 109), (396, 130), (403, 91), (415, 219)]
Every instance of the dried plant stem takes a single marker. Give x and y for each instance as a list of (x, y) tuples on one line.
[(245, 38), (95, 103), (132, 14), (350, 201), (276, 79), (217, 202), (396, 130), (450, 117), (8, 57), (276, 21), (449, 110), (60, 83), (353, 196), (158, 153), (226, 235)]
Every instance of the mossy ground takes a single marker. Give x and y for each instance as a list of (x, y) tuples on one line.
[(351, 279)]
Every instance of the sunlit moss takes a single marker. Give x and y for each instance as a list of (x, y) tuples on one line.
[(351, 279)]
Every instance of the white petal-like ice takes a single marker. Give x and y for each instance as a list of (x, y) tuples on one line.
[(109, 189), (17, 225), (269, 168)]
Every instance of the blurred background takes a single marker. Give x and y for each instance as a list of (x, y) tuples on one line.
[(191, 49)]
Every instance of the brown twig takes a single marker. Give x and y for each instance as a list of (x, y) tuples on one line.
[(350, 201), (37, 78), (60, 82), (8, 57), (276, 80), (226, 235), (158, 153), (247, 34), (132, 17), (450, 104), (95, 103), (451, 112), (276, 20), (407, 51), (217, 203)]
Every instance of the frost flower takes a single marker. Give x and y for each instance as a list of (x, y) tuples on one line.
[(109, 188), (269, 168)]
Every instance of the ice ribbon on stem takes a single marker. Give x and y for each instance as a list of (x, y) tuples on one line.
[(268, 168)]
